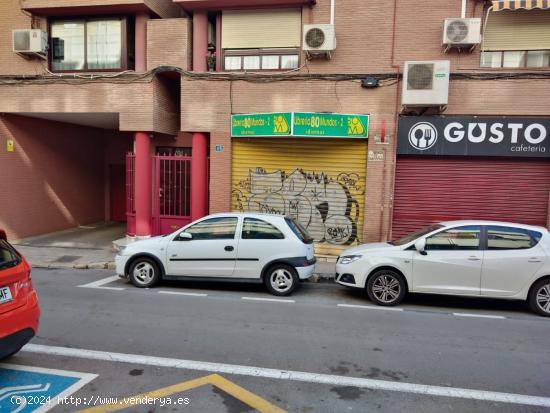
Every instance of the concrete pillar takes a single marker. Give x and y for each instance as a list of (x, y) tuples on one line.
[(199, 176), (141, 42), (143, 184), (200, 41)]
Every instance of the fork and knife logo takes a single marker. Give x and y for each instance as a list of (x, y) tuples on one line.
[(422, 136)]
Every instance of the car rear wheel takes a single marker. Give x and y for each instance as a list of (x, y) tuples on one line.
[(281, 279), (144, 273), (539, 297), (386, 287)]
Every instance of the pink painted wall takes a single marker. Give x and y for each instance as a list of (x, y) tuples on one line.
[(53, 180)]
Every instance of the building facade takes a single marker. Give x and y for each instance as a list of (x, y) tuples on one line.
[(159, 112)]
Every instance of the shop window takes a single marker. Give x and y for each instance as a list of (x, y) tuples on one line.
[(261, 59), (89, 44)]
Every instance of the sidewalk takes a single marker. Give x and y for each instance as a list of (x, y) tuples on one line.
[(91, 247)]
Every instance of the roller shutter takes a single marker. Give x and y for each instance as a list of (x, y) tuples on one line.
[(321, 183), (247, 29), (429, 190), (517, 30)]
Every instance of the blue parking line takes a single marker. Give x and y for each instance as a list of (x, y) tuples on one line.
[(25, 389)]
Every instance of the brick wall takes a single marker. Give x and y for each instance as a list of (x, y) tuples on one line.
[(134, 102), (53, 180), (169, 43), (163, 8), (12, 17)]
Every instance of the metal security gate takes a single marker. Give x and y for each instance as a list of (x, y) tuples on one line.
[(432, 189), (171, 193), (319, 182), (130, 193)]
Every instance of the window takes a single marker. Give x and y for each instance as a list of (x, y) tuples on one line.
[(530, 59), (510, 238), (214, 228), (261, 59), (8, 256), (460, 238), (88, 44), (516, 39), (257, 229)]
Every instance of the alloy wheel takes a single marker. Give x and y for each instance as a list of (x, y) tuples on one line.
[(386, 288), (144, 273), (543, 298), (281, 280)]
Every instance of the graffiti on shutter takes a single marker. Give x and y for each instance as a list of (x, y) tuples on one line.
[(326, 205)]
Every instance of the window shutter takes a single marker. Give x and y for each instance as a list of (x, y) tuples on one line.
[(248, 29), (517, 30)]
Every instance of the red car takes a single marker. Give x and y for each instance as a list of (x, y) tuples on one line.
[(19, 310)]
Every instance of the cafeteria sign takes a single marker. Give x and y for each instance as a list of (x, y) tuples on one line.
[(300, 124)]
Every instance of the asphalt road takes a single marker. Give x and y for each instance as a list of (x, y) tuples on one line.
[(149, 338)]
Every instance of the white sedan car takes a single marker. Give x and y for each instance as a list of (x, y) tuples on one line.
[(469, 258), (272, 249)]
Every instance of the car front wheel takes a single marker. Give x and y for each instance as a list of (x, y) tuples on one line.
[(539, 297), (144, 273), (386, 287), (281, 279)]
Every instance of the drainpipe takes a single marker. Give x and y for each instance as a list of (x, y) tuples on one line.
[(332, 10), (463, 11)]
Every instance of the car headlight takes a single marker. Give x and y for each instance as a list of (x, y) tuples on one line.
[(348, 259)]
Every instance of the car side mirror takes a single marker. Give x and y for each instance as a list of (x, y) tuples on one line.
[(185, 236), (420, 246)]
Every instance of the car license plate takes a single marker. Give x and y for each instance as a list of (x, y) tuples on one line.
[(5, 295)]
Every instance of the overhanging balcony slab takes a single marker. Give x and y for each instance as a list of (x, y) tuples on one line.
[(190, 5)]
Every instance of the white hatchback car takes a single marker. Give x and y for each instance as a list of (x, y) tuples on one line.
[(470, 258), (272, 249)]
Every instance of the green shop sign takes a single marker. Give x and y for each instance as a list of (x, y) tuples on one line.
[(261, 125), (331, 125), (300, 124)]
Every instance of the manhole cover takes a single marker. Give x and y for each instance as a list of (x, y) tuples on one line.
[(68, 258)]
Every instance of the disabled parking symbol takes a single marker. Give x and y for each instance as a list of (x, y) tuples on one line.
[(25, 389)]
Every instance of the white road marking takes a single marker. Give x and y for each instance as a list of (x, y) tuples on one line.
[(100, 283), (328, 379), (187, 294), (276, 300), (83, 379), (369, 307), (479, 315)]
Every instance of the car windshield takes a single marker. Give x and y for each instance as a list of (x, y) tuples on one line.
[(417, 234)]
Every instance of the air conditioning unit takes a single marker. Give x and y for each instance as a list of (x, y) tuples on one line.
[(30, 41), (319, 39), (426, 83), (462, 32)]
